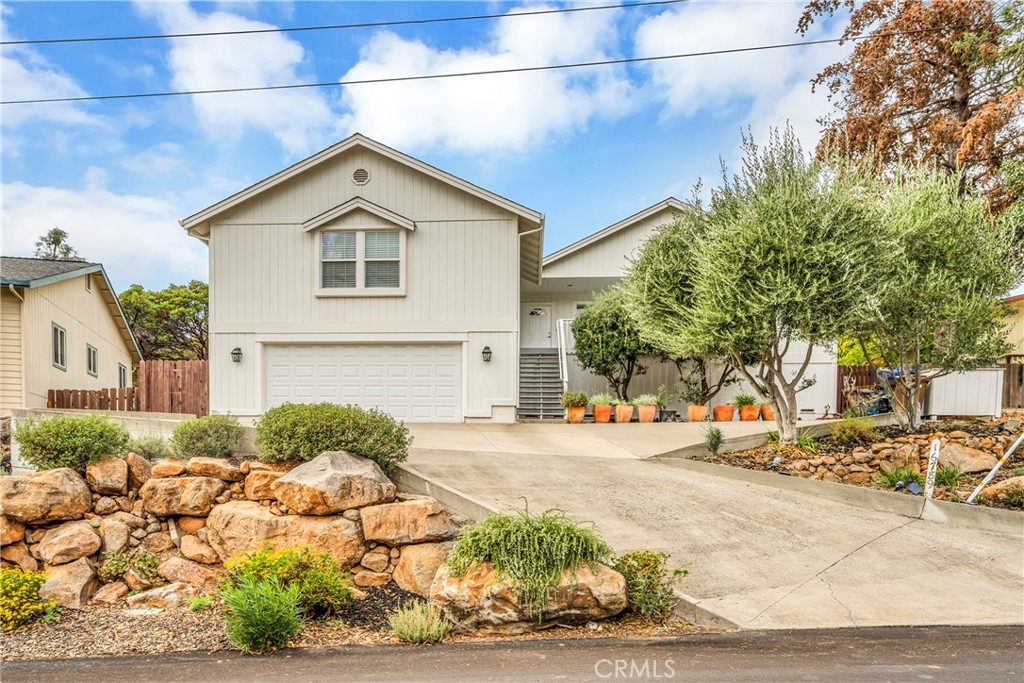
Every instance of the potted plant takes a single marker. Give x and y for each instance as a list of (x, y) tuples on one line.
[(623, 411), (747, 405), (767, 413), (602, 404), (697, 387), (646, 407), (724, 412), (575, 404)]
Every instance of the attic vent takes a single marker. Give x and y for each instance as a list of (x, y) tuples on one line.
[(360, 176)]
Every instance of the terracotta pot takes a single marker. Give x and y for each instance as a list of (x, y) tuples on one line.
[(623, 414), (750, 413), (767, 414), (575, 414), (697, 413), (646, 413), (602, 414), (723, 413)]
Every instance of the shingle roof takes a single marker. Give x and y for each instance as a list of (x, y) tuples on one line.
[(18, 270)]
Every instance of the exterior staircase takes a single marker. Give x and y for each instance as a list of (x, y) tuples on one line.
[(540, 385)]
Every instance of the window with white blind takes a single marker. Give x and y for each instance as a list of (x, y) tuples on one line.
[(361, 262)]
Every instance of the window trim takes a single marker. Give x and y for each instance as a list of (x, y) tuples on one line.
[(90, 353), (360, 290), (61, 365), (122, 376)]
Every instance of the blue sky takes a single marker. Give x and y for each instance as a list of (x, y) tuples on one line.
[(586, 147)]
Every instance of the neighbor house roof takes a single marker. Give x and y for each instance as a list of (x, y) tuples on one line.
[(1013, 299), (33, 273), (531, 223), (670, 203)]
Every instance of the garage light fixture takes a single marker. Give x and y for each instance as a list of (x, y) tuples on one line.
[(236, 355), (486, 353)]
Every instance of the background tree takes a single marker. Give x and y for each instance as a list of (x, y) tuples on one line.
[(608, 342), (782, 254), (940, 310), (935, 91), (169, 324), (54, 246)]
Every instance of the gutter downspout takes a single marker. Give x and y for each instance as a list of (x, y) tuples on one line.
[(15, 293)]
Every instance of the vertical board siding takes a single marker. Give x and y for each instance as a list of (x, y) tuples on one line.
[(10, 353), (607, 257)]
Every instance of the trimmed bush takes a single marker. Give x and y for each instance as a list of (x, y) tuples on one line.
[(417, 623), (262, 616), (20, 603), (854, 430), (214, 436), (649, 582), (302, 431), (149, 447), (66, 441), (322, 585), (531, 550)]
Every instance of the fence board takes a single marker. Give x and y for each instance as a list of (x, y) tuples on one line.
[(862, 376), (1013, 382), (164, 386)]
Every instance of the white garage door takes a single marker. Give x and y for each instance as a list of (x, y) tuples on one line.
[(412, 382)]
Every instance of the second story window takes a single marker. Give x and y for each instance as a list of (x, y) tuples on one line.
[(361, 260), (60, 347)]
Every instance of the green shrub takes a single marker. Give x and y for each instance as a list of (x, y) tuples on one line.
[(417, 623), (854, 430), (322, 584), (19, 598), (66, 441), (601, 400), (198, 603), (1013, 497), (893, 478), (214, 436), (1018, 472), (807, 442), (744, 401), (647, 400), (262, 616), (530, 550), (574, 399), (149, 447), (144, 563), (948, 476), (649, 582), (302, 431), (712, 439)]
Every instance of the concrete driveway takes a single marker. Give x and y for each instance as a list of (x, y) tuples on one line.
[(758, 556)]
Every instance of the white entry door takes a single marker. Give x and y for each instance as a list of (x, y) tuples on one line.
[(537, 326), (412, 382)]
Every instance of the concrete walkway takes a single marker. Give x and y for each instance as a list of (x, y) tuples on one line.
[(761, 557)]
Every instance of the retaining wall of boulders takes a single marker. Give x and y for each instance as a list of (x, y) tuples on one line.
[(194, 515)]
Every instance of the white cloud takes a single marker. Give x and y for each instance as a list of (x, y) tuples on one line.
[(26, 75), (137, 238), (299, 119), (490, 113)]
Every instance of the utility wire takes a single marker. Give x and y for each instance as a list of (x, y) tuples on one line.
[(331, 27), (461, 74)]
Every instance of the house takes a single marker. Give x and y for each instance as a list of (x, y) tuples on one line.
[(362, 275), (60, 327)]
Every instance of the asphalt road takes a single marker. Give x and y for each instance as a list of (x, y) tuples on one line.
[(975, 654)]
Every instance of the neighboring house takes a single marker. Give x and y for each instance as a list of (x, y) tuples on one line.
[(1015, 324), (362, 275), (61, 327)]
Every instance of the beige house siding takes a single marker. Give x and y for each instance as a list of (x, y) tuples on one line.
[(10, 352), (87, 320), (1016, 328)]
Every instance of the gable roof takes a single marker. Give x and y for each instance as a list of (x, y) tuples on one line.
[(531, 223), (33, 273), (354, 204), (670, 203)]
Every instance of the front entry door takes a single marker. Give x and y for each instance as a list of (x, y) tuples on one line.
[(537, 326)]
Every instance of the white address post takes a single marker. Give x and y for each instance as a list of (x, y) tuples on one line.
[(933, 464)]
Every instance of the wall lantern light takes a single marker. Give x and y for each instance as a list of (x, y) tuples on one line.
[(236, 355), (486, 353)]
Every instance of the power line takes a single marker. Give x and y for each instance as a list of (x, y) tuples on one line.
[(461, 74), (331, 27)]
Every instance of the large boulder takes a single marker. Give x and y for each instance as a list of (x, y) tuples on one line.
[(417, 566), (412, 521), (68, 542), (110, 594), (332, 483), (10, 531), (218, 468), (70, 585), (108, 475), (171, 595), (196, 550), (48, 496), (242, 525), (483, 602), (139, 470), (259, 483), (967, 459), (18, 553), (177, 569), (115, 536), (167, 467), (181, 495)]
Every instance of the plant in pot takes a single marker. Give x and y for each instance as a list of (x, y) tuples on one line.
[(724, 412), (747, 405), (575, 404), (664, 398), (647, 407), (698, 385), (767, 413), (602, 404), (623, 411)]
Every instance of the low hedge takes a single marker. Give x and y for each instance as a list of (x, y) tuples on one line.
[(214, 436), (302, 431), (70, 441)]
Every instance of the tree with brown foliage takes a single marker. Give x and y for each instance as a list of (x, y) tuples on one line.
[(925, 83)]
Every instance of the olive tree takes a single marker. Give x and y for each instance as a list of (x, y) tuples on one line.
[(940, 311), (783, 253), (608, 342)]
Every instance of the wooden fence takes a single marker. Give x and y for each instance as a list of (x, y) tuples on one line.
[(1013, 382), (861, 377), (164, 386)]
